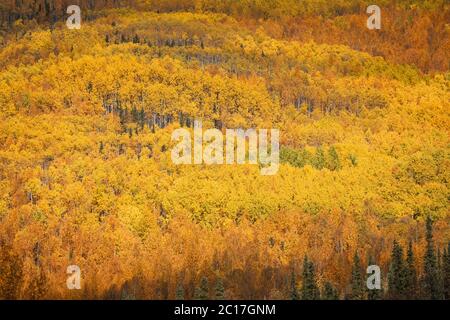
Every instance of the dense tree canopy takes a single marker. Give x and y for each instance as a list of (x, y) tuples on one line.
[(85, 127)]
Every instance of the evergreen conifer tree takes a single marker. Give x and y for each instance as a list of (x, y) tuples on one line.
[(202, 291), (329, 292), (294, 291), (446, 271), (411, 274), (310, 290), (374, 294), (219, 290), (440, 275), (180, 292), (430, 276), (319, 159), (397, 274), (358, 285), (333, 159)]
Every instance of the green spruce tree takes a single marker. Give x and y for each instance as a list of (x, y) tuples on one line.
[(397, 274), (310, 290), (430, 275), (219, 290), (440, 275), (334, 163), (446, 270), (358, 284), (202, 291), (374, 294), (319, 159), (329, 292), (411, 274), (179, 295), (142, 118), (293, 287)]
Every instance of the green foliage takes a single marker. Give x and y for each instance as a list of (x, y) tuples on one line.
[(446, 272), (300, 158), (374, 294), (353, 159), (179, 295), (430, 272), (397, 277), (329, 292), (219, 290), (411, 274), (333, 159), (202, 291), (310, 290), (295, 158), (358, 284), (294, 295), (319, 159)]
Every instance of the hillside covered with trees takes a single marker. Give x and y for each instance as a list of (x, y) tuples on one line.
[(86, 176)]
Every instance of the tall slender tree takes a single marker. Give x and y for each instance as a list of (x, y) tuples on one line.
[(310, 290), (374, 294), (219, 290), (202, 291), (411, 274), (293, 287), (446, 270), (180, 292), (358, 288), (440, 274), (430, 286), (397, 274)]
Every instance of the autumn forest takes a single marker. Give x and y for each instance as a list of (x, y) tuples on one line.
[(86, 176)]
